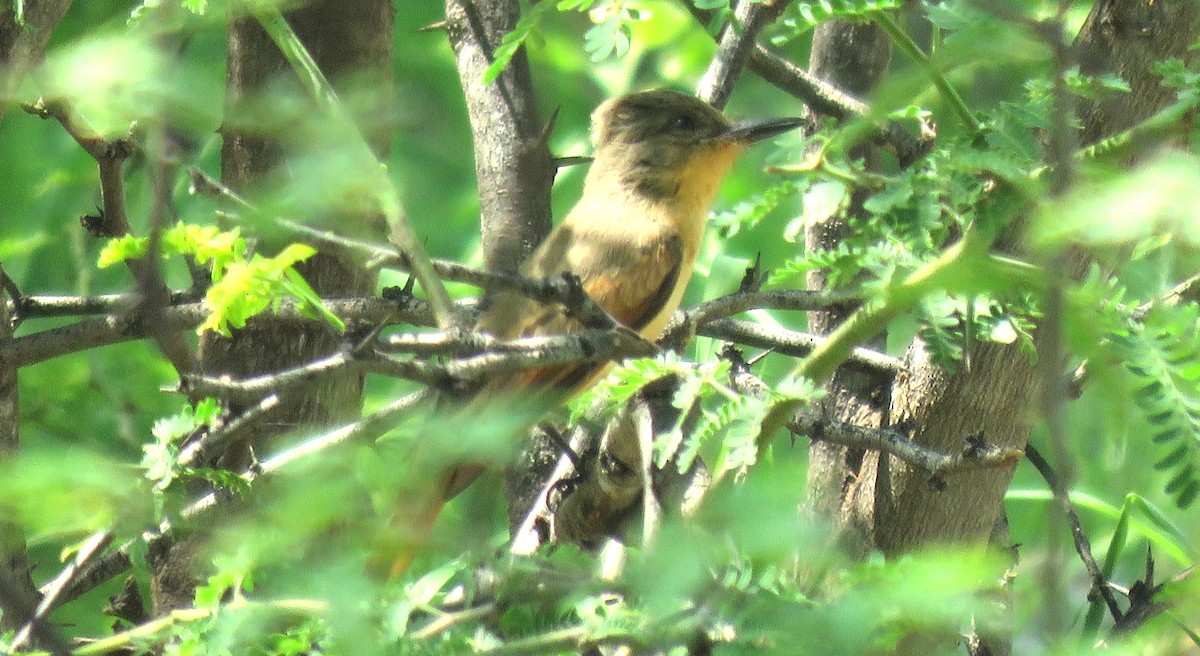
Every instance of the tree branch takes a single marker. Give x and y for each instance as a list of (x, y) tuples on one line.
[(513, 164), (826, 99), (795, 344), (94, 333), (115, 562), (51, 592), (22, 42), (503, 357), (974, 455), (735, 48), (1082, 546), (109, 155)]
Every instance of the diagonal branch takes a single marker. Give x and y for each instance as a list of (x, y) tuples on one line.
[(826, 99), (735, 48), (297, 55), (105, 567), (1082, 546)]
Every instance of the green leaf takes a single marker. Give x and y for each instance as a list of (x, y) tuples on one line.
[(1175, 457), (245, 289), (119, 249), (511, 43), (309, 302), (822, 201), (1183, 479), (1187, 496), (1127, 206), (610, 37)]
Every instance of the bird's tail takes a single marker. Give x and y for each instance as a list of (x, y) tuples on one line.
[(458, 442)]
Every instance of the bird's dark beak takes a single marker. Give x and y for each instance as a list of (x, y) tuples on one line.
[(751, 131)]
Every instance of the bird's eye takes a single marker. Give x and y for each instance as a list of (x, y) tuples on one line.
[(683, 122)]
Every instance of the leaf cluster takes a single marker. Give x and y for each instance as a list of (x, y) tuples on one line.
[(243, 284)]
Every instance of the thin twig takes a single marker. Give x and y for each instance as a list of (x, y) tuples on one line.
[(52, 591), (155, 296), (783, 299), (216, 440), (507, 357), (1061, 143), (910, 48), (794, 343), (17, 603), (1100, 584), (115, 562)]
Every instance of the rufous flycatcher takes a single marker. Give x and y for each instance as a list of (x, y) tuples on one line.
[(631, 241)]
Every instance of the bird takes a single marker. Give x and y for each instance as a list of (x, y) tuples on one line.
[(630, 241)]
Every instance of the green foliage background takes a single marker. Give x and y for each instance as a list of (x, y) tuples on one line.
[(86, 417)]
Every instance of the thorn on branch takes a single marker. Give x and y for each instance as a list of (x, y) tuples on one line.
[(754, 277), (736, 359), (544, 138), (572, 160), (97, 226), (403, 297), (975, 445)]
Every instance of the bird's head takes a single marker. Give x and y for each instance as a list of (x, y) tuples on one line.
[(665, 145)]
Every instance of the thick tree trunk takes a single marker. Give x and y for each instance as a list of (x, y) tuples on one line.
[(351, 41), (994, 397), (348, 41), (893, 506), (854, 58)]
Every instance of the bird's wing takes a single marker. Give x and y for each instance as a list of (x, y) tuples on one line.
[(631, 284)]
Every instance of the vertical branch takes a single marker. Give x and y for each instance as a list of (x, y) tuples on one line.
[(20, 47), (735, 48), (1052, 355), (513, 164), (15, 571)]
